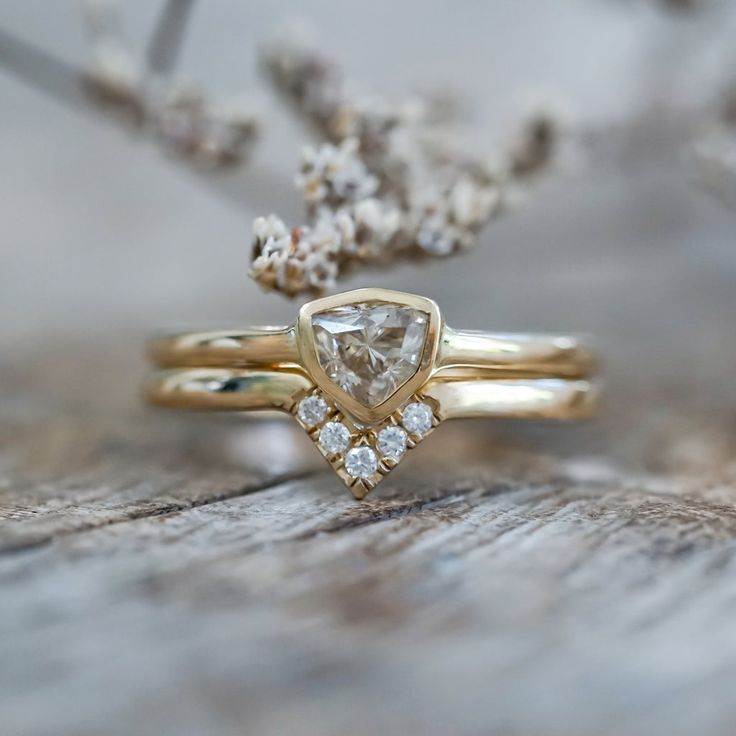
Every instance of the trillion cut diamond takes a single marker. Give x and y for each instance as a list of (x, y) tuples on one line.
[(370, 349)]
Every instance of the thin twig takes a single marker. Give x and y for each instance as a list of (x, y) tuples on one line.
[(168, 36), (41, 70)]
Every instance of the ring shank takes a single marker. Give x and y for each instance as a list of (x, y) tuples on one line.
[(460, 353), (249, 390), (550, 398), (254, 346), (533, 355)]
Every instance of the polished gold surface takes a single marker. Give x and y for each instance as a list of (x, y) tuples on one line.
[(225, 389), (248, 390), (545, 398), (522, 355), (253, 346)]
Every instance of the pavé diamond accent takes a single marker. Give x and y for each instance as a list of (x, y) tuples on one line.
[(361, 462), (334, 437), (312, 410), (391, 442), (370, 349), (363, 454), (417, 418)]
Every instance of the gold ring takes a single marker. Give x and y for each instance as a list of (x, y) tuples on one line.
[(370, 373)]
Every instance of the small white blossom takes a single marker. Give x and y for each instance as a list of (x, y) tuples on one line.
[(334, 173), (269, 227), (388, 181), (320, 272), (437, 237), (382, 219), (472, 204)]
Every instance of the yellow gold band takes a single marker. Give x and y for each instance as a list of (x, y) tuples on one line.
[(226, 389), (508, 354)]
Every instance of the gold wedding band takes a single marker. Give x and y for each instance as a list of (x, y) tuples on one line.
[(370, 373)]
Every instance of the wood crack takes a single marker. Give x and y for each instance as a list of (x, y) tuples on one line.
[(28, 542)]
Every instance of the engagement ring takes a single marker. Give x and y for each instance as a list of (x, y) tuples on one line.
[(369, 374)]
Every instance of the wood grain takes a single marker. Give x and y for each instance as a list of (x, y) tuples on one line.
[(170, 575)]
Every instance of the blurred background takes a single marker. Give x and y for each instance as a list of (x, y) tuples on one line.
[(105, 237), (629, 236)]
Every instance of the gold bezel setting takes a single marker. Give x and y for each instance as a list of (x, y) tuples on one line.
[(306, 346)]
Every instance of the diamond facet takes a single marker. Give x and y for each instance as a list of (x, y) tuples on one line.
[(417, 418), (391, 442), (361, 462), (370, 349), (312, 410), (334, 437)]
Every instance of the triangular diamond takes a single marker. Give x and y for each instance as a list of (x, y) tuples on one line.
[(370, 349)]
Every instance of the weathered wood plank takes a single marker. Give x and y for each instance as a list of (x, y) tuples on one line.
[(246, 599), (157, 586)]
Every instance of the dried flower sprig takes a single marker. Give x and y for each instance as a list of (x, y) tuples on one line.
[(389, 183), (715, 152), (178, 116)]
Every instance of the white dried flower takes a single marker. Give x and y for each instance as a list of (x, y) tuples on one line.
[(436, 236), (472, 204), (319, 271), (334, 173), (325, 236), (388, 181), (179, 117), (271, 226), (311, 179), (344, 223), (377, 222)]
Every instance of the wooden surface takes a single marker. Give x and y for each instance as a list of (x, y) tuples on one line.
[(179, 575), (170, 575)]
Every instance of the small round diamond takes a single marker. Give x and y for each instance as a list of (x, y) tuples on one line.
[(361, 462), (392, 442), (417, 418), (334, 437), (312, 410)]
